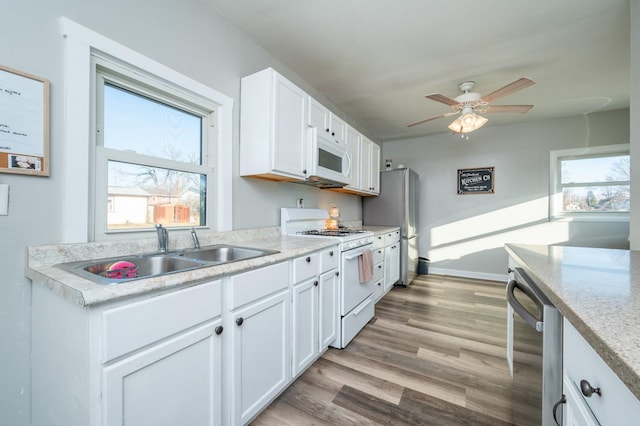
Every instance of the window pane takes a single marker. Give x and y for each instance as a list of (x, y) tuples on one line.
[(133, 122), (599, 169), (141, 196), (596, 199)]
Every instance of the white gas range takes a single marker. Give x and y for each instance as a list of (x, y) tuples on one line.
[(356, 298)]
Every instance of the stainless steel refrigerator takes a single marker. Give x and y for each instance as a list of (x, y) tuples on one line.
[(397, 205)]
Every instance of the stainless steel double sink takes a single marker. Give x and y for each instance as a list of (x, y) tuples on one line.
[(133, 267)]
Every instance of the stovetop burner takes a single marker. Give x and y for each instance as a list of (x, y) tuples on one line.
[(331, 232)]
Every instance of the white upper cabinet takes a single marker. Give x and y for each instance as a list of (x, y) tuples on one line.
[(326, 121), (275, 115), (273, 127), (369, 167), (353, 145)]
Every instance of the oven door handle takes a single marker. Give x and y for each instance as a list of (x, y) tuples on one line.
[(353, 256), (534, 322)]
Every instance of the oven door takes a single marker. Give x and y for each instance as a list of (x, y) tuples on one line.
[(328, 158), (353, 292)]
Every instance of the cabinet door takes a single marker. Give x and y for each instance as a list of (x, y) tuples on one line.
[(174, 382), (338, 128), (365, 164), (329, 313), (318, 116), (391, 265), (290, 128), (375, 168), (353, 147), (575, 411), (304, 324), (260, 358)]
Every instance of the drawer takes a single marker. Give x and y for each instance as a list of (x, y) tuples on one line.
[(329, 259), (353, 322), (391, 237), (134, 325), (306, 267), (378, 271), (378, 255), (617, 405), (378, 240), (252, 285)]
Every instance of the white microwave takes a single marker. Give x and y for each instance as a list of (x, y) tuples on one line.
[(328, 160)]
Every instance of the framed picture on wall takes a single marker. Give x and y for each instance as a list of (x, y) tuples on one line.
[(24, 123), (476, 181)]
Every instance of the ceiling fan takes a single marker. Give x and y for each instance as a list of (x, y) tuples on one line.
[(470, 105)]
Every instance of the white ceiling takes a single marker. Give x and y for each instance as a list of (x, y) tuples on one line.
[(377, 59)]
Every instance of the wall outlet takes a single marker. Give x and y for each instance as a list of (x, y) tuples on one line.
[(4, 199)]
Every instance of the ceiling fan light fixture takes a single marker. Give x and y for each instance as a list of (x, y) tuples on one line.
[(467, 122)]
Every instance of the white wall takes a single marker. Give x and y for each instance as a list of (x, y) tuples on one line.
[(185, 35), (464, 235)]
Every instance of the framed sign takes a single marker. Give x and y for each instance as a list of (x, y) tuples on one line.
[(24, 123), (475, 181)]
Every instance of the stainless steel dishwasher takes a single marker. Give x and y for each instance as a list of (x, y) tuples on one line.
[(534, 352)]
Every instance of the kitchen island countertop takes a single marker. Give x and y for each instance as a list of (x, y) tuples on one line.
[(598, 291)]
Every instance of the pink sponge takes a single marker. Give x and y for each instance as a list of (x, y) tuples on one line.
[(122, 269)]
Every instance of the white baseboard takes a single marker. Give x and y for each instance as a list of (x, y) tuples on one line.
[(469, 274)]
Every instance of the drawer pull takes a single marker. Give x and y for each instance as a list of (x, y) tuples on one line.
[(239, 321), (218, 330), (588, 390)]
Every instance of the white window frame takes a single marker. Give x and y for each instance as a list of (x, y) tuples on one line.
[(80, 45), (555, 189)]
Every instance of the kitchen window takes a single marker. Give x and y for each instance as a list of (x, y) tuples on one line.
[(591, 183), (153, 150), (143, 144)]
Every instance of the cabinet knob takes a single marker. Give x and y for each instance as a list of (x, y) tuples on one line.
[(333, 133), (588, 390), (380, 251), (308, 259), (327, 130), (315, 283), (509, 270), (379, 266), (337, 273), (304, 171), (239, 321), (331, 253), (219, 329)]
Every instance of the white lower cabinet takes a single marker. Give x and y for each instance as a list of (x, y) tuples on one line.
[(391, 265), (151, 360), (258, 355), (215, 353), (174, 382), (595, 394), (314, 300)]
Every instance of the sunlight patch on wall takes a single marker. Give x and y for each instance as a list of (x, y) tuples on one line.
[(491, 222), (544, 233)]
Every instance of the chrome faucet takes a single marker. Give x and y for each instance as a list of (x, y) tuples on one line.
[(194, 236), (163, 237)]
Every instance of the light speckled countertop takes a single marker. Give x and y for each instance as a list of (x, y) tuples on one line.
[(598, 291), (42, 260)]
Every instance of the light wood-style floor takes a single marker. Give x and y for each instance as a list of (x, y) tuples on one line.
[(434, 354)]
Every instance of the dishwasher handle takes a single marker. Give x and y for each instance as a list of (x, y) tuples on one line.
[(534, 322)]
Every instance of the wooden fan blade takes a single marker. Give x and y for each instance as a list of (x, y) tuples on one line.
[(509, 108), (442, 98), (508, 89), (415, 123)]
